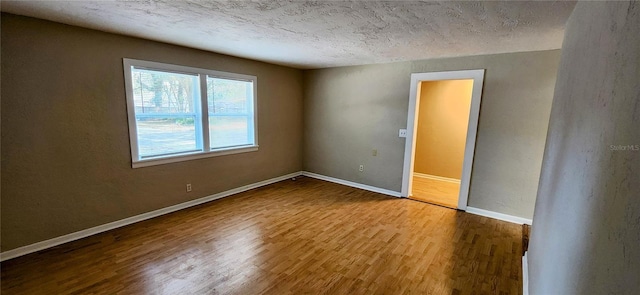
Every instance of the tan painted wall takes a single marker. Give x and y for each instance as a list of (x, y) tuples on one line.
[(66, 164), (349, 111), (443, 120), (585, 237)]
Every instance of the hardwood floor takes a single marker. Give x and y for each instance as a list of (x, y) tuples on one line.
[(435, 192), (293, 237)]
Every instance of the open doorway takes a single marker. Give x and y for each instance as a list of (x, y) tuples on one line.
[(441, 127), (442, 118)]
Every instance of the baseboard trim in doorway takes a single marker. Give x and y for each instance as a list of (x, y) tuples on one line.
[(352, 184), (130, 220), (499, 216), (435, 177), (525, 274)]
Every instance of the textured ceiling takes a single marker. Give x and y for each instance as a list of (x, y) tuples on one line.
[(318, 34)]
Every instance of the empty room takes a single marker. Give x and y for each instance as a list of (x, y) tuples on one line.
[(320, 147)]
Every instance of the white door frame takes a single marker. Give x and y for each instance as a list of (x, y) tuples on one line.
[(472, 130)]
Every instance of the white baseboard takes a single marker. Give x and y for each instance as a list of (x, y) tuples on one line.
[(120, 223), (130, 220), (352, 184), (499, 216), (525, 274), (435, 177)]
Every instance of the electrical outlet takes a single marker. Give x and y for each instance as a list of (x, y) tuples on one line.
[(402, 133), (361, 168), (188, 187)]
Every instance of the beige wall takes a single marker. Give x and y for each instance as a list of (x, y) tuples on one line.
[(66, 164), (585, 236), (443, 119), (349, 111)]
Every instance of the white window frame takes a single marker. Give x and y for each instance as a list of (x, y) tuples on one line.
[(137, 162)]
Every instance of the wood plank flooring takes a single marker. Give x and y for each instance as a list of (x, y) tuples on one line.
[(435, 192), (293, 237)]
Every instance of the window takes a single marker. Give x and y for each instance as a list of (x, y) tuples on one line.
[(167, 120)]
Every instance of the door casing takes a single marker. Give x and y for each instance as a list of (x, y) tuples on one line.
[(474, 113)]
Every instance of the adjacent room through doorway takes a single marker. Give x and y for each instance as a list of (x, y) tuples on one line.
[(443, 118)]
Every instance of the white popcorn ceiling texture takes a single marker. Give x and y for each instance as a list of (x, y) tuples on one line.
[(319, 34)]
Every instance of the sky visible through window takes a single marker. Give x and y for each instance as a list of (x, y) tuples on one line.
[(230, 112)]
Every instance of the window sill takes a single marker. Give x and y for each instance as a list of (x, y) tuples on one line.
[(192, 156)]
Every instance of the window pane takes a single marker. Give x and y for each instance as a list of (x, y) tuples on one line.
[(227, 131), (167, 107), (230, 105), (163, 136), (229, 96)]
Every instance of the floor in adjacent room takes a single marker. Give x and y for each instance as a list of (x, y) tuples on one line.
[(293, 237), (439, 192)]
